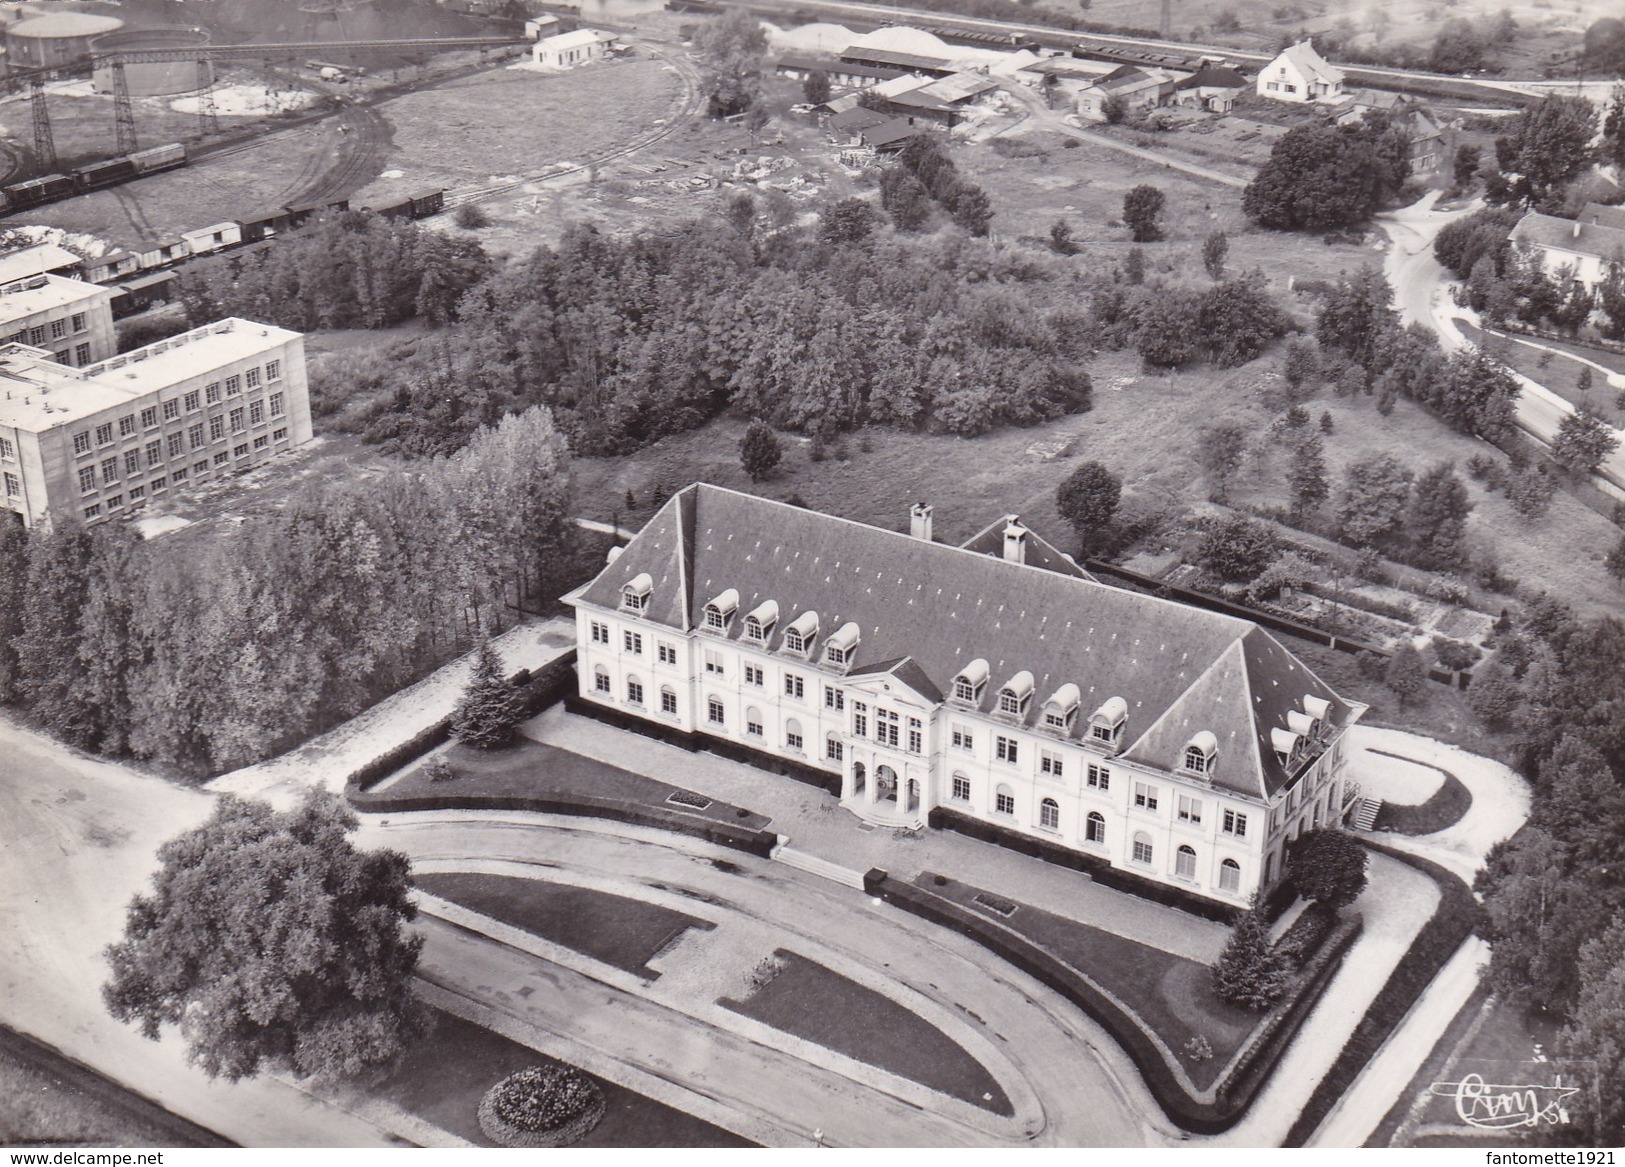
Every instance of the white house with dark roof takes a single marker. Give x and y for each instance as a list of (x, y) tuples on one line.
[(1585, 247), (996, 681), (1300, 74)]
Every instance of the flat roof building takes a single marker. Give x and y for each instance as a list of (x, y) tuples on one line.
[(103, 440), (71, 319)]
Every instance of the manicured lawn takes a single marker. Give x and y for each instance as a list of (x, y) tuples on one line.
[(1445, 808), (445, 1076), (1559, 373), (530, 768), (809, 1001), (1171, 995), (621, 932)]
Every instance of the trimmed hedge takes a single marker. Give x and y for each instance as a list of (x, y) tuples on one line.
[(1157, 1064), (1446, 930)]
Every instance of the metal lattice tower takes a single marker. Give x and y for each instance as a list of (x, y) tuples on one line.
[(44, 145), (207, 121), (123, 114)]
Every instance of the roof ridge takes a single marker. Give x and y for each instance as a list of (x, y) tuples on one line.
[(1167, 713)]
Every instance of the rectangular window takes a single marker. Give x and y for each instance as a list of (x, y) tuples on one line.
[(1050, 763), (116, 500), (200, 467), (155, 453), (273, 370), (792, 741), (794, 686), (240, 451), (104, 433), (1004, 803), (81, 443), (137, 492), (81, 354), (632, 642), (916, 740), (753, 673), (668, 702), (126, 425), (276, 404), (190, 398), (211, 393), (7, 449), (1142, 851), (1004, 748), (962, 738), (149, 417), (174, 443), (961, 788), (833, 749), (666, 652), (256, 412), (860, 719), (599, 633), (87, 478), (194, 436), (752, 726), (634, 692), (59, 329), (93, 510), (222, 458), (834, 698), (159, 483), (1145, 796), (715, 711), (180, 473), (713, 661), (14, 486), (172, 409), (1235, 824), (262, 442), (1100, 777), (253, 378), (132, 461), (237, 420), (1190, 809), (36, 335), (279, 435), (109, 470), (234, 385), (79, 322), (886, 727), (600, 682)]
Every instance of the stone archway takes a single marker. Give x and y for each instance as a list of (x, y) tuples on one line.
[(885, 784)]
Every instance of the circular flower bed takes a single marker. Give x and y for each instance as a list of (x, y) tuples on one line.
[(550, 1107)]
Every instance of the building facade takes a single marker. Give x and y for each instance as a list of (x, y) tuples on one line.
[(69, 318), (102, 441), (569, 49), (1302, 75), (995, 681), (1583, 248)]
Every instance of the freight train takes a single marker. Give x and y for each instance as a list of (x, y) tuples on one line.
[(49, 188)]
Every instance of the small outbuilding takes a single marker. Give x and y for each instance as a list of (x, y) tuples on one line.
[(568, 49)]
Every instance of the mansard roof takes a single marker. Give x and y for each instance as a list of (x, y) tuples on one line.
[(927, 610)]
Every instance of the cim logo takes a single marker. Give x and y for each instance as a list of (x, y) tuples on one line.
[(1491, 1106)]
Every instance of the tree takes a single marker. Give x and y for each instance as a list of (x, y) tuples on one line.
[(1236, 320), (1467, 160), (1320, 177), (273, 944), (1605, 46), (1088, 499), (848, 221), (1475, 396), (1141, 206), (1214, 250), (1060, 238), (1615, 563), (971, 209), (1437, 518), (1114, 109), (1306, 476), (1357, 317), (1237, 549), (1222, 450), (1594, 1037), (730, 49), (1549, 144), (1583, 442), (1164, 336), (1134, 267), (904, 198), (815, 87), (759, 450), (1463, 241), (1302, 364), (1328, 867), (1248, 973), (1612, 148), (1406, 673), (488, 712), (1583, 381), (1529, 489)]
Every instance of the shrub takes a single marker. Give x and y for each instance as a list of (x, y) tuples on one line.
[(1308, 932), (1199, 1049), (1454, 655), (472, 217), (440, 770), (547, 1107), (1372, 665)]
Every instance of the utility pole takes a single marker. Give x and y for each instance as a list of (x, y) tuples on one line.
[(44, 145), (123, 113), (1167, 19)]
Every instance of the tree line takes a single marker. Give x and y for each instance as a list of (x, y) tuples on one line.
[(205, 651)]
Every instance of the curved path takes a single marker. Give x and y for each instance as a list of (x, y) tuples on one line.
[(1068, 1083)]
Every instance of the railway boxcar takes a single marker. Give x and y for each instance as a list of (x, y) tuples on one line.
[(142, 292), (206, 240), (111, 266), (159, 158), (427, 203), (393, 211), (34, 191), (108, 172)]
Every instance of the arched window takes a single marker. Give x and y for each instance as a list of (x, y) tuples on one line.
[(1230, 876), (1004, 800), (753, 721), (1185, 862), (634, 690), (1013, 697), (1095, 829), (792, 735), (668, 700), (1142, 847), (1049, 814), (600, 679)]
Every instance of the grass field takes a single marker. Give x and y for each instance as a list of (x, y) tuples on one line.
[(444, 1077), (623, 933), (1559, 373), (1172, 996), (811, 1002), (1444, 808)]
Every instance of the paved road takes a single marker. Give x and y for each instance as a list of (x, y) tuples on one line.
[(1045, 1054)]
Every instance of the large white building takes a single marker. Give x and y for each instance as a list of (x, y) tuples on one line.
[(1300, 74), (71, 319), (101, 441), (1583, 247), (996, 681)]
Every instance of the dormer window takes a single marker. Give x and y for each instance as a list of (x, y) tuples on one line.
[(759, 624), (1106, 723), (840, 648), (720, 610), (968, 685), (635, 594), (799, 637), (1200, 753), (1286, 745), (1060, 709), (1013, 698)]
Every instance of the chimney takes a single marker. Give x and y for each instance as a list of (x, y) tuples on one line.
[(1015, 541), (1576, 232), (919, 521)]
